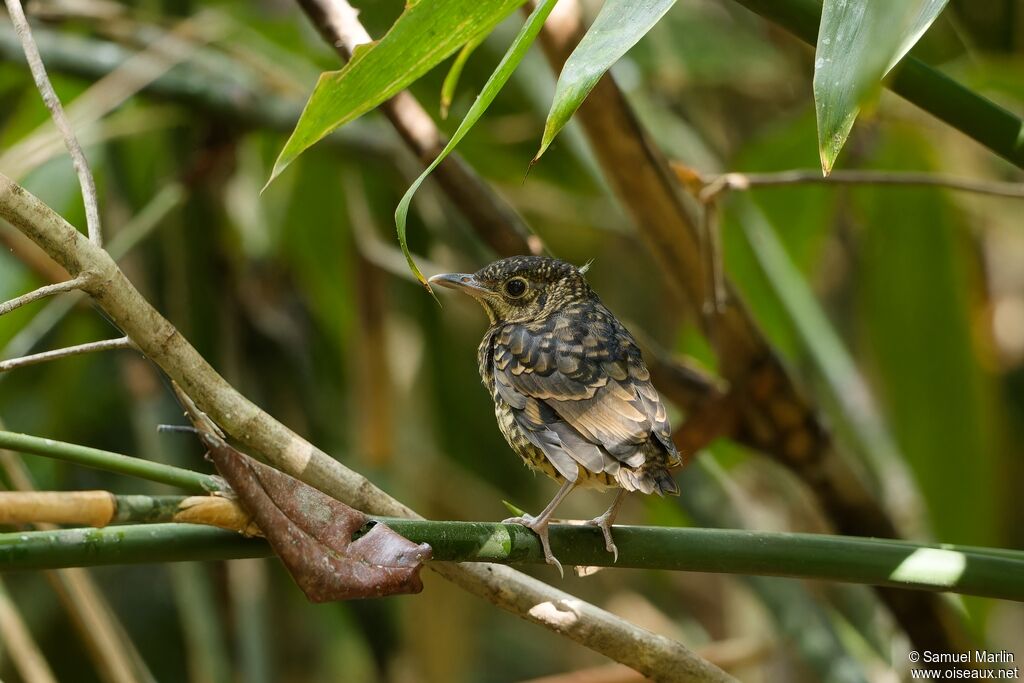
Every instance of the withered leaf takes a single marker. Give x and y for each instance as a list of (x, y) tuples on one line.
[(312, 532)]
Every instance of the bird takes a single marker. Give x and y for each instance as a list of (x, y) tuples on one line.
[(572, 394)]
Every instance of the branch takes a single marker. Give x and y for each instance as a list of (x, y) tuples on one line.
[(45, 356), (994, 573), (131, 233), (187, 480), (711, 188), (52, 102), (533, 600), (101, 508), (41, 293), (928, 88)]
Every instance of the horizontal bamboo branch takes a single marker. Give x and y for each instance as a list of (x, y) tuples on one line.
[(102, 508), (187, 480), (970, 571)]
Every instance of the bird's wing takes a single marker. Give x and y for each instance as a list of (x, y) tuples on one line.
[(581, 385)]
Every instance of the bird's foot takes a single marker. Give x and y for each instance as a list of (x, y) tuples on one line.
[(604, 522), (540, 527)]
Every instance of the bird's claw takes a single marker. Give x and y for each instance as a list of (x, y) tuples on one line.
[(540, 528), (604, 523)]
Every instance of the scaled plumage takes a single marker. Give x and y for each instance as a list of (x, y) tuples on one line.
[(571, 392)]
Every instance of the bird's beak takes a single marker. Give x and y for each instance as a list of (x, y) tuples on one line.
[(466, 282)]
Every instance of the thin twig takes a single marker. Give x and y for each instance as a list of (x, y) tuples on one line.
[(52, 102), (45, 356), (744, 181), (127, 237), (711, 259), (42, 293)]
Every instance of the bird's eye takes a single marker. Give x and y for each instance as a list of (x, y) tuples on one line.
[(515, 287)]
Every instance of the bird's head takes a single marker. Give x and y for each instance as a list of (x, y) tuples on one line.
[(521, 288)]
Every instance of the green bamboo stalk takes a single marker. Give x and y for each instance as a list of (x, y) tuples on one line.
[(812, 556), (113, 462), (927, 87)]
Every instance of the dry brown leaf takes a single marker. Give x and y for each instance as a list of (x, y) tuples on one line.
[(312, 532)]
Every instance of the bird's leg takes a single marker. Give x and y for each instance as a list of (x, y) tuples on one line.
[(539, 524), (605, 523)]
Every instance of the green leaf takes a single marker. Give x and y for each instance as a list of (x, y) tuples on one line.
[(451, 81), (926, 13), (490, 90), (617, 28), (516, 511), (426, 33), (859, 41)]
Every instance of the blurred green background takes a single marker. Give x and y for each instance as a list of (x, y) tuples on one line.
[(902, 311)]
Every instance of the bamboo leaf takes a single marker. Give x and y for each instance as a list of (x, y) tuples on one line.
[(859, 41), (491, 88), (426, 33), (617, 28), (451, 81), (927, 12)]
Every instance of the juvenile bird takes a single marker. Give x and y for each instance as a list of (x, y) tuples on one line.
[(571, 392)]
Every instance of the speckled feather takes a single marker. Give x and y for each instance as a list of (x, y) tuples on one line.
[(571, 392)]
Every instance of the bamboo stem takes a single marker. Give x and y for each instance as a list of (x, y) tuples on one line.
[(194, 482), (986, 572)]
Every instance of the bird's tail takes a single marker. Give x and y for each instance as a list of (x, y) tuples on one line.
[(664, 483), (650, 479)]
